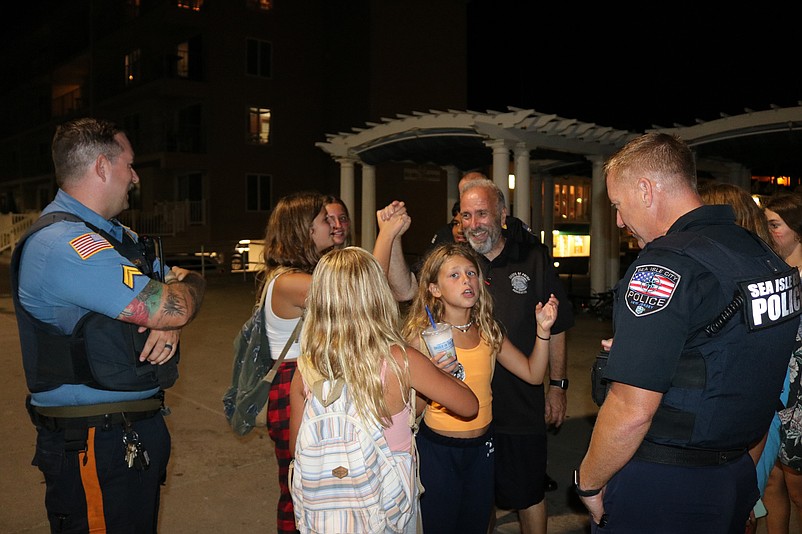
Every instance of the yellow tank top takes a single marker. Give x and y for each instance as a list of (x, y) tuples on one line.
[(478, 373)]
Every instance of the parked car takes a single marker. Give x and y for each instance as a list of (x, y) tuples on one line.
[(247, 255)]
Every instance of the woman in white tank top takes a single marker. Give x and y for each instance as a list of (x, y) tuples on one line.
[(297, 234)]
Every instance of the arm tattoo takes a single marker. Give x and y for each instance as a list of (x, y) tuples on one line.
[(158, 299), (196, 286), (144, 305)]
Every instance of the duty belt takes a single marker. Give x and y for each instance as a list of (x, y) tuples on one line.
[(103, 415), (666, 454)]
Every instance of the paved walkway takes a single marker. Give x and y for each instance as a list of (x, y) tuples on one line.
[(219, 482)]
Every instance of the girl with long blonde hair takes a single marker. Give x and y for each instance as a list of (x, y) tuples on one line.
[(351, 332)]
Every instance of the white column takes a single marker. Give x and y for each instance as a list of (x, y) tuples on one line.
[(522, 195), (347, 181), (599, 241), (452, 189), (548, 212), (368, 207), (537, 204), (501, 166)]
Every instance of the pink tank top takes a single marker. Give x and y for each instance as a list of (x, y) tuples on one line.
[(398, 434)]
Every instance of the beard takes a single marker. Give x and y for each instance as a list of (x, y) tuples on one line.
[(483, 247)]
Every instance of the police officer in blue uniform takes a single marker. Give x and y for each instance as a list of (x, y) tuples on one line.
[(704, 321), (99, 320)]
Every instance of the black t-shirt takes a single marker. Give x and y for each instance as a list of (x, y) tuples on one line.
[(520, 277)]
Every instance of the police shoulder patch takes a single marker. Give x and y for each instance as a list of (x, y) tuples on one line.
[(650, 289)]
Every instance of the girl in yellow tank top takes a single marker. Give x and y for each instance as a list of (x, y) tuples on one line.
[(456, 453)]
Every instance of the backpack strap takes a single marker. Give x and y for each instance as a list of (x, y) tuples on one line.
[(271, 374)]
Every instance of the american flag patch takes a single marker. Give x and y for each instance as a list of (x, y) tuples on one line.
[(650, 289), (651, 284), (88, 244)]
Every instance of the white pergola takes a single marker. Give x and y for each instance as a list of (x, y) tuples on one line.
[(539, 145)]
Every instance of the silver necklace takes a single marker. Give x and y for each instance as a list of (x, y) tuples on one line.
[(463, 327)]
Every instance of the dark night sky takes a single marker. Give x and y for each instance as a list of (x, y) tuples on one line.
[(659, 68), (653, 64)]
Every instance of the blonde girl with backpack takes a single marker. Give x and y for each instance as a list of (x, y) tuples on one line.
[(351, 331), (456, 453)]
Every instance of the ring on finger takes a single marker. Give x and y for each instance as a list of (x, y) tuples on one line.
[(168, 346)]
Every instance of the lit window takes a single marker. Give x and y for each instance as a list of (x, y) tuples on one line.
[(258, 192), (260, 58), (133, 63), (194, 5), (259, 125), (182, 65)]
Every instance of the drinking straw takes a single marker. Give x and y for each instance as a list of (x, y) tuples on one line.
[(431, 319)]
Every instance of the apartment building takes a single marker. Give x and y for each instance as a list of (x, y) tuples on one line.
[(223, 100)]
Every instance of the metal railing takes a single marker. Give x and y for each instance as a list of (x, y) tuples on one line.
[(13, 226), (166, 219)]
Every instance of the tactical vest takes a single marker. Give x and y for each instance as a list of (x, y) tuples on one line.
[(100, 352), (729, 377)]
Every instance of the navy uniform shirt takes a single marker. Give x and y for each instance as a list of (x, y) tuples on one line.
[(518, 280), (663, 304), (68, 270)]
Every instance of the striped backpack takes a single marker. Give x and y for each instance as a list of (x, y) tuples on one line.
[(344, 477)]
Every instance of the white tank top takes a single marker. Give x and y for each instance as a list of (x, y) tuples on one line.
[(278, 329)]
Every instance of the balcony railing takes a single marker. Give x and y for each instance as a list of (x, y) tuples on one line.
[(13, 226), (167, 218)]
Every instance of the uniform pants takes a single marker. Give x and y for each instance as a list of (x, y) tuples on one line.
[(666, 499), (93, 489)]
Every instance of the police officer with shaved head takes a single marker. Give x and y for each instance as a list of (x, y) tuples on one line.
[(99, 318), (704, 321)]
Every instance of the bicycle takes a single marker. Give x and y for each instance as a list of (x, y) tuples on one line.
[(599, 304)]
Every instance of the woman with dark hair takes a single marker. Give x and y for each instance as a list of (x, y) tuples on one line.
[(784, 487), (784, 214), (297, 234)]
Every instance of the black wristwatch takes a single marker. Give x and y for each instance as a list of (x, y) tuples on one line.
[(580, 491), (562, 384)]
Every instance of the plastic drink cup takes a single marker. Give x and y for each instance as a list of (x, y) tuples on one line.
[(439, 339)]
